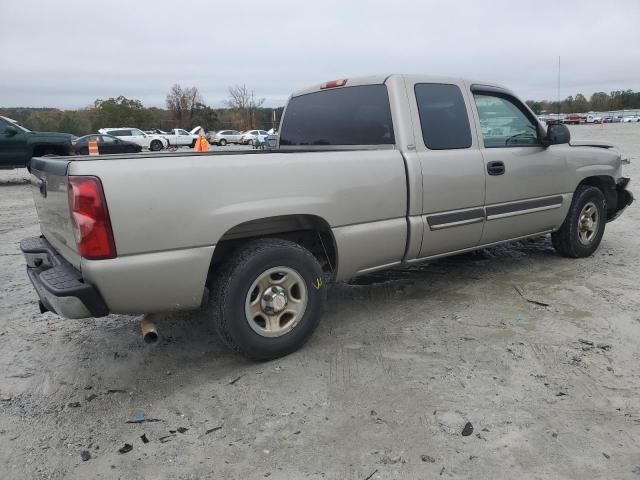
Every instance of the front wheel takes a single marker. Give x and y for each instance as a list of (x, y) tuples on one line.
[(582, 230), (267, 299), (222, 142), (155, 145)]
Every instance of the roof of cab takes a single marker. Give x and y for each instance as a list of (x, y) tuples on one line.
[(380, 79)]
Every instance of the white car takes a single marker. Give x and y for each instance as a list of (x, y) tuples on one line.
[(152, 142), (630, 119), (252, 137)]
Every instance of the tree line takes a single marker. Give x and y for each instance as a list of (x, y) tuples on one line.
[(598, 102), (185, 108)]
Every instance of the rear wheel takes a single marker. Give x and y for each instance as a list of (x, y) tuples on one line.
[(155, 145), (582, 230), (267, 298)]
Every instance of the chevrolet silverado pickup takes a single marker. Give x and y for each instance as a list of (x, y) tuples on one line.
[(368, 173)]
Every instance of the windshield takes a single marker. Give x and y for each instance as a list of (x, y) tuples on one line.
[(15, 123)]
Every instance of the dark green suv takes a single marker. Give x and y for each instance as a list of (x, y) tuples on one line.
[(18, 145)]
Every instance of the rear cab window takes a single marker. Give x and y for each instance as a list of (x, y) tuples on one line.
[(443, 116), (358, 115)]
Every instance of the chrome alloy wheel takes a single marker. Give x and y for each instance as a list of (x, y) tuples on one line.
[(276, 301), (588, 223)]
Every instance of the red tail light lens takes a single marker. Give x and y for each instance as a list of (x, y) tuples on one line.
[(90, 218), (334, 84)]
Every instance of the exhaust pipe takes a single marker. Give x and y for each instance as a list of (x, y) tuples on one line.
[(148, 328)]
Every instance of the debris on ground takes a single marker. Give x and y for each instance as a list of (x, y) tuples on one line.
[(182, 429), (530, 300), (214, 429), (139, 417), (85, 455), (144, 438), (166, 438), (442, 471), (606, 455), (235, 380), (586, 342), (116, 390), (604, 346), (427, 458), (127, 448), (73, 404), (370, 476), (93, 396), (388, 460), (467, 430)]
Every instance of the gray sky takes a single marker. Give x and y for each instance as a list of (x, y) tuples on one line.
[(67, 53)]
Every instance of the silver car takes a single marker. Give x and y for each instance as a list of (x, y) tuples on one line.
[(224, 137)]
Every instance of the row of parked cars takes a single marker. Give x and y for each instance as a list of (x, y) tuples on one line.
[(18, 144), (250, 137)]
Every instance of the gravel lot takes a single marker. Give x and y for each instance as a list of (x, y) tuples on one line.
[(401, 362)]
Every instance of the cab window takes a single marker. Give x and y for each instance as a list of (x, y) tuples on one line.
[(443, 116), (503, 122), (137, 133)]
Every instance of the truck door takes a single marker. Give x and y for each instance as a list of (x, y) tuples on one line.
[(452, 169), (525, 180), (13, 146)]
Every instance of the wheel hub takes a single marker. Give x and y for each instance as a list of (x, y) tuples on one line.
[(274, 300)]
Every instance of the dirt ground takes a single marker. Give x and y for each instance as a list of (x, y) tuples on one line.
[(403, 359)]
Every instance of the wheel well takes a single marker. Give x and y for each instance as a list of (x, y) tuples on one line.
[(606, 185), (308, 231), (40, 150)]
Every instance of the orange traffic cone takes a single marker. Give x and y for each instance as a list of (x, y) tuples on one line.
[(93, 148), (201, 145)]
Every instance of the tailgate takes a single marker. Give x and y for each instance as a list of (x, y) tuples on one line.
[(49, 187)]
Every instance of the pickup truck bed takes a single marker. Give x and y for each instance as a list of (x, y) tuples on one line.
[(368, 173)]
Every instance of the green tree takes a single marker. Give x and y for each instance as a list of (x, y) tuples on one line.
[(117, 112)]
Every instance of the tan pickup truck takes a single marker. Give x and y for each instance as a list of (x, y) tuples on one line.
[(368, 173)]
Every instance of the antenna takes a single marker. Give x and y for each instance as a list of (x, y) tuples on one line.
[(558, 117)]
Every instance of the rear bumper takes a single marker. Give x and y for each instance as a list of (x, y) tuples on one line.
[(59, 285)]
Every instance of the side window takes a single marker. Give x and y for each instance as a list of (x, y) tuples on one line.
[(107, 139), (443, 116), (503, 122), (120, 133), (3, 125), (183, 132), (358, 115), (137, 133)]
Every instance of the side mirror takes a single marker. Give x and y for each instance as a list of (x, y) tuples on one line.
[(11, 130), (557, 133)]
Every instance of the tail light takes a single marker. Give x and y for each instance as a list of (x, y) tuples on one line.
[(90, 218), (334, 84)]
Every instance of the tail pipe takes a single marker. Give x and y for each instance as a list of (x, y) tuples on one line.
[(148, 328)]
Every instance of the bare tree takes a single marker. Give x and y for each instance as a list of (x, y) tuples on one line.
[(183, 102), (243, 101)]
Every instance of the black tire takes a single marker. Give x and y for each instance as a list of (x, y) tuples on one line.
[(222, 142), (566, 240), (155, 145), (193, 144), (230, 290)]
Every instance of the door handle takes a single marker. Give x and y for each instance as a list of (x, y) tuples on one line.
[(495, 168)]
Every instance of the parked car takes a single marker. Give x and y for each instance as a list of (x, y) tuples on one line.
[(224, 137), (18, 144), (253, 137), (612, 119), (181, 138), (135, 135), (350, 190), (630, 119), (107, 144)]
